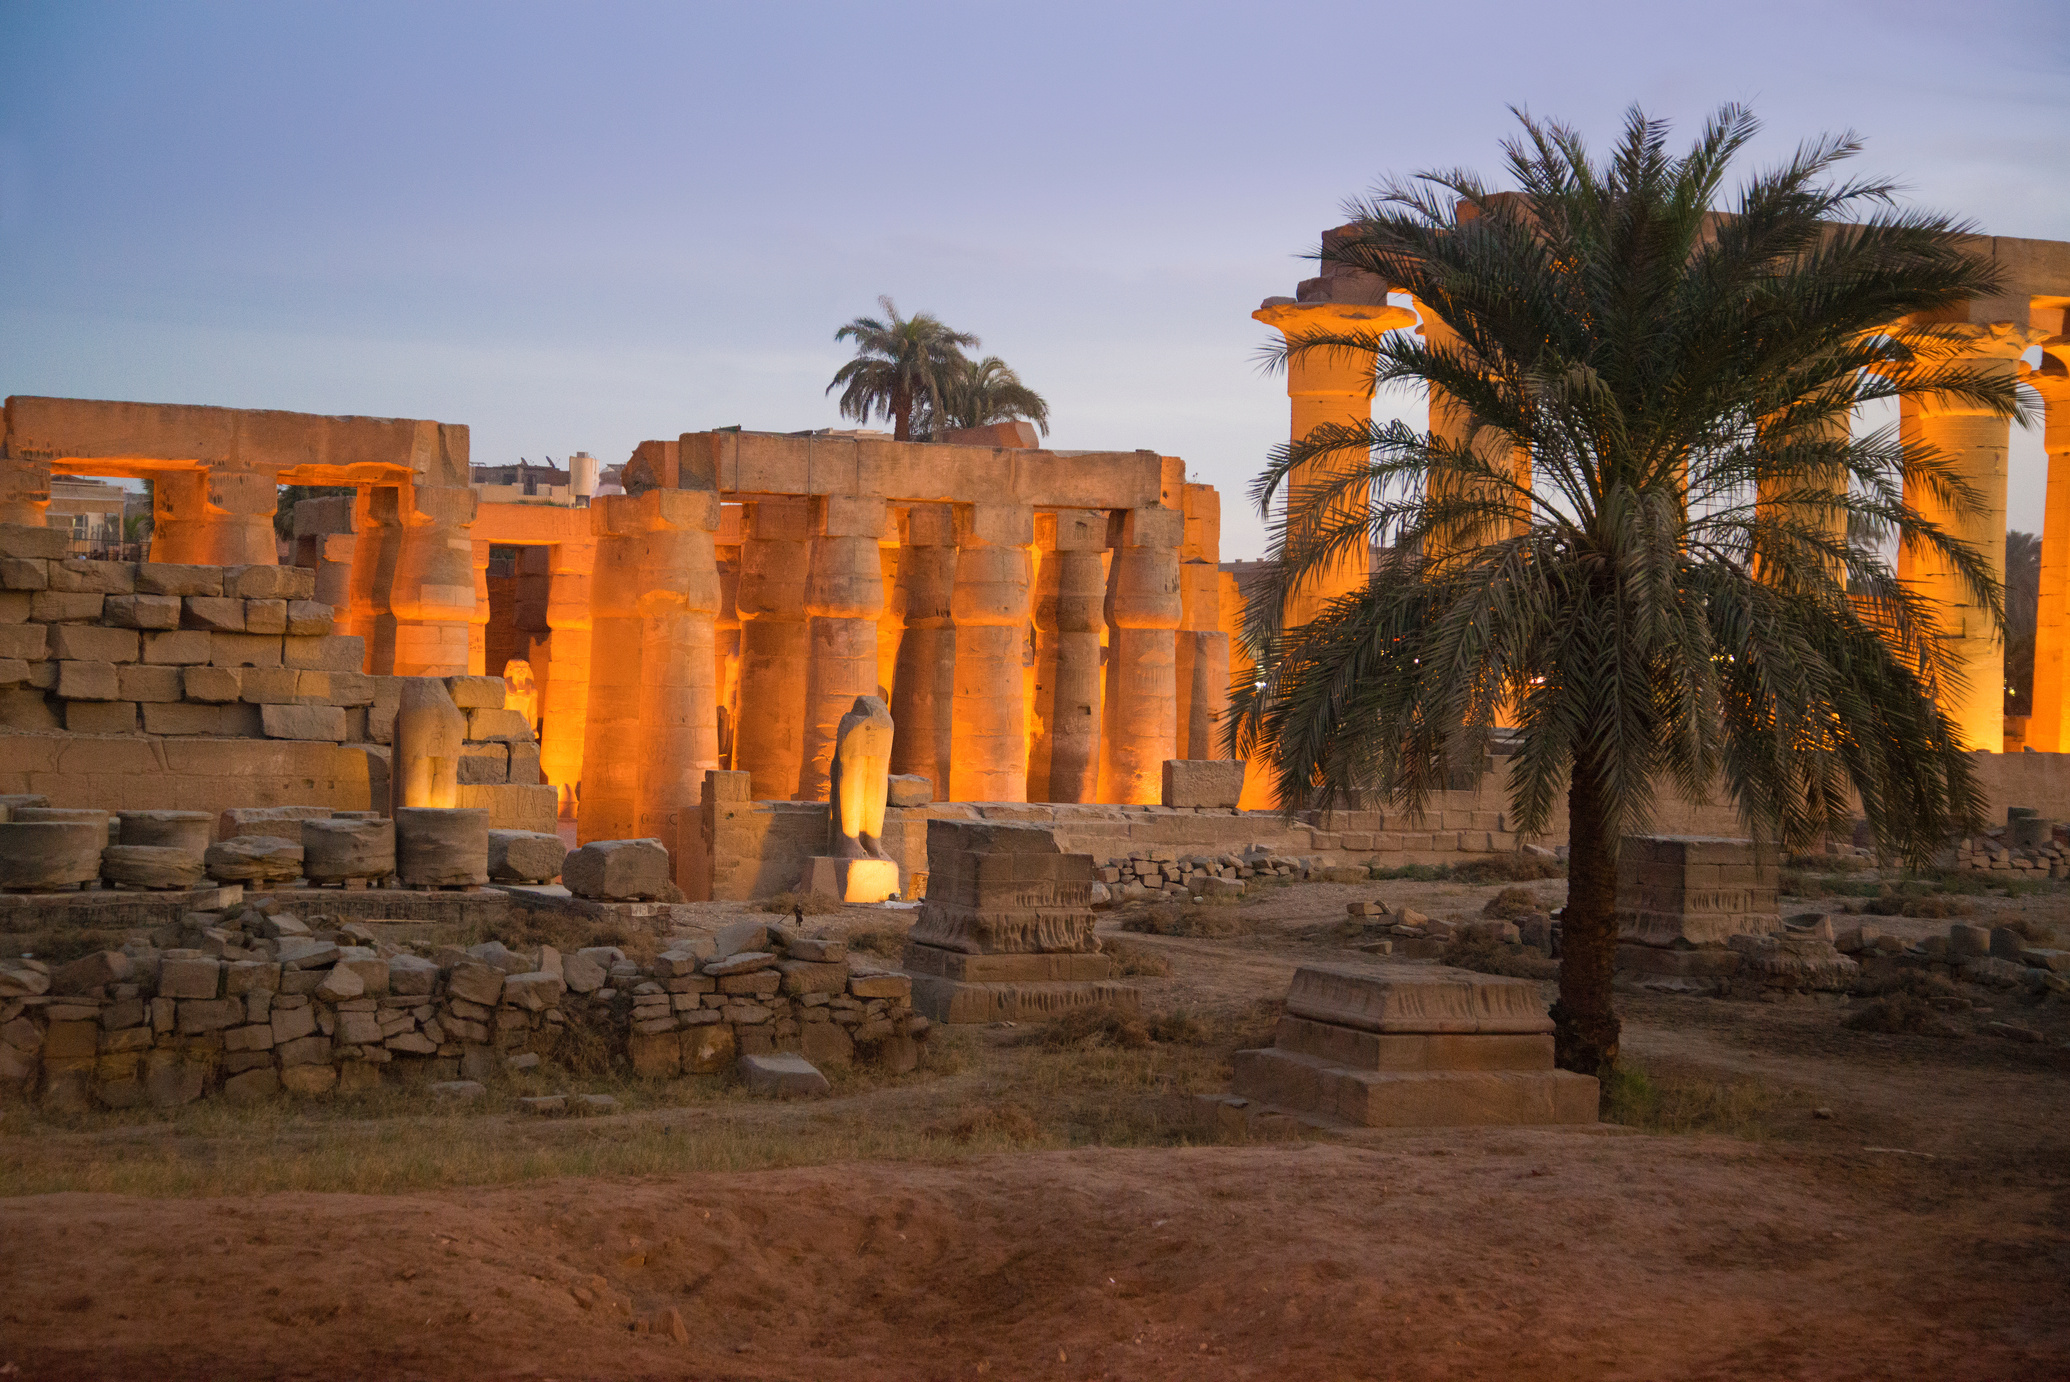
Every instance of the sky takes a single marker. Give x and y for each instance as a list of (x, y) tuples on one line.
[(575, 227)]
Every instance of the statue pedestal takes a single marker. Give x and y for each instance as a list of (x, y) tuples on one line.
[(851, 880)]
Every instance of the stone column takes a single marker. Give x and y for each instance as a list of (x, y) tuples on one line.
[(433, 592), (726, 632), (1328, 388), (324, 542), (240, 508), (377, 520), (1449, 421), (1258, 794), (24, 491), (844, 598), (2048, 731), (611, 736), (768, 743), (891, 621), (1976, 442), (179, 517), (678, 594), (923, 681), (478, 619), (566, 713), (1201, 651), (989, 742), (1143, 614), (1065, 764)]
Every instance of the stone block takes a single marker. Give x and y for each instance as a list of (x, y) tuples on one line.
[(335, 688), (180, 647), (525, 856), (151, 866), (1441, 1098), (141, 682), (89, 643), (442, 846), (88, 681), (269, 582), (327, 653), (743, 962), (335, 851), (101, 717), (211, 685), (212, 613), (244, 650), (166, 578), (26, 575), (309, 618), (476, 693), (617, 870), (92, 971), (197, 977), (255, 859), (141, 611), (284, 821), (37, 856), (30, 642), (93, 577), (1203, 782), (303, 722), (498, 726), (806, 976), (1426, 1001), (65, 607), (14, 671), (27, 540), (524, 765), (197, 1015), (782, 1075), (655, 1055), (534, 992), (251, 976), (187, 717), (265, 616), (292, 1027), (484, 764), (476, 983), (908, 789), (269, 685)]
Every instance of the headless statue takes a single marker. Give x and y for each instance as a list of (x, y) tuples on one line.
[(521, 690), (429, 729), (859, 780)]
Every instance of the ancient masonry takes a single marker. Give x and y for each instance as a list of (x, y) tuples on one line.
[(1006, 932), (256, 1000), (1394, 1048)]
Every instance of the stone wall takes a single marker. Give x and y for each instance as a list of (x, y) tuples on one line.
[(259, 1003)]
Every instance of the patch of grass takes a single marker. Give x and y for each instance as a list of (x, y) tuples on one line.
[(888, 941), (811, 904), (1804, 883), (1511, 903), (1096, 1026), (1485, 956), (1899, 1013), (1415, 873), (1741, 1108), (1181, 1028), (1166, 919), (2030, 930), (1137, 961), (1005, 1125), (1513, 867)]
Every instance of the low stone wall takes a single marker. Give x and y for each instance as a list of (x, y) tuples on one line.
[(260, 1003)]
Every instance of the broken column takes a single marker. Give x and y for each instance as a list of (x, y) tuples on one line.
[(989, 739), (1006, 932), (442, 848), (1065, 761), (774, 562), (2048, 727), (844, 598), (347, 852), (43, 856), (1143, 614), (1393, 1048), (923, 685), (566, 709)]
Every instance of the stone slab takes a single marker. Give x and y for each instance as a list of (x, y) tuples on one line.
[(1006, 969), (1415, 1099), (1357, 1050), (115, 909), (1417, 1001), (956, 1002), (781, 1075)]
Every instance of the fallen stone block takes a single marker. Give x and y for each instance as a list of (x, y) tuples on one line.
[(155, 867), (254, 859), (525, 856), (782, 1075), (339, 851), (618, 870), (458, 1091)]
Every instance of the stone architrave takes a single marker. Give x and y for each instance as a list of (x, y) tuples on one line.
[(429, 730)]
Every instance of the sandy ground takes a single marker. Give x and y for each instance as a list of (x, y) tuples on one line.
[(1921, 1230)]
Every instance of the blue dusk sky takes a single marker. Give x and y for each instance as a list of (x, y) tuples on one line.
[(573, 227)]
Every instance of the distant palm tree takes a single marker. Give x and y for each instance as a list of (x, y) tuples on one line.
[(1686, 585), (982, 392), (901, 365), (2022, 601)]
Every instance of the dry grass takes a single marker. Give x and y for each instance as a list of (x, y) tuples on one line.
[(1137, 961), (1905, 1014), (1741, 1108), (1485, 956), (1511, 903), (1203, 922), (2030, 930), (887, 941)]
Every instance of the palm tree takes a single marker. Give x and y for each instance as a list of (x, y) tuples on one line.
[(982, 392), (901, 364), (2022, 601), (1624, 601)]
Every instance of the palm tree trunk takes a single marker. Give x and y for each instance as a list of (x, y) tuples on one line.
[(902, 413), (1585, 1024)]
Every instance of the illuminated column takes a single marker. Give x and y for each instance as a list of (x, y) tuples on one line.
[(923, 682), (179, 517), (1257, 782), (844, 598), (989, 741), (1450, 421), (610, 740), (564, 723), (478, 621), (1975, 441), (678, 594), (1068, 615), (432, 595), (891, 621), (1143, 614), (726, 630), (2049, 729), (240, 508), (774, 561), (24, 491), (1328, 387), (1201, 653)]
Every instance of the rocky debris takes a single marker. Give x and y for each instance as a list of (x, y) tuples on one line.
[(784, 1076), (2026, 844), (458, 1091), (618, 871), (1164, 873), (1789, 962)]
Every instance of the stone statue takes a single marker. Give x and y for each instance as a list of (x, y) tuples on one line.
[(429, 729), (859, 780), (521, 690)]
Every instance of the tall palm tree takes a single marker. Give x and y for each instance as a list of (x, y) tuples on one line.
[(901, 364), (1627, 603), (982, 392)]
